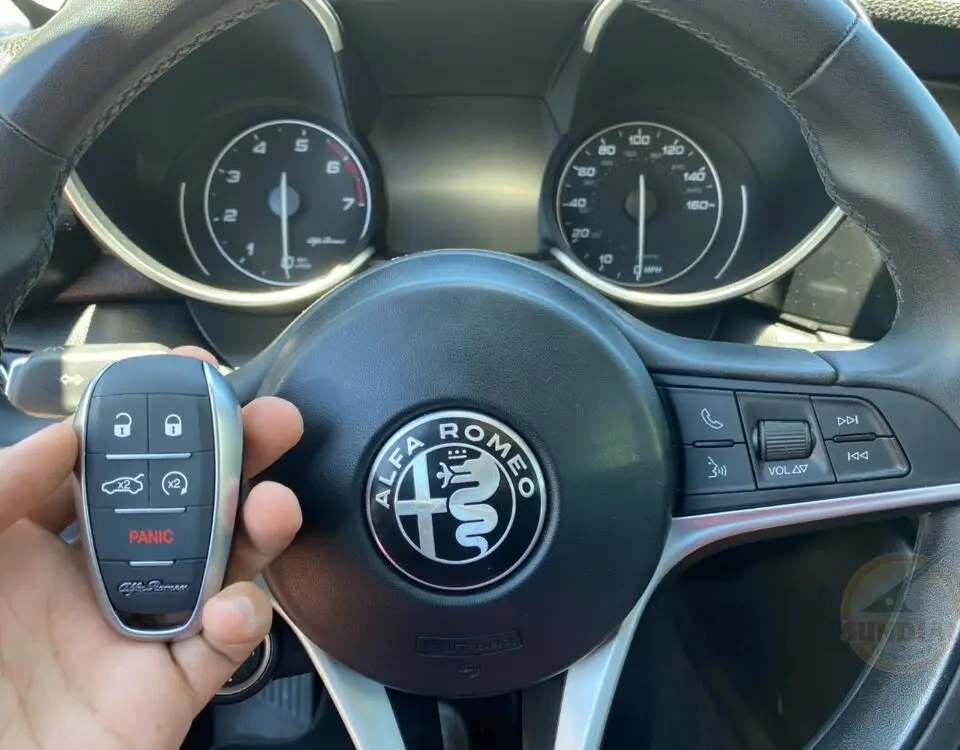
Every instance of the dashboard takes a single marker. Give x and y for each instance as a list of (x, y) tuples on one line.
[(271, 165), (315, 141)]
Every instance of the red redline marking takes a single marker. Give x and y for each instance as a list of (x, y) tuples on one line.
[(353, 169)]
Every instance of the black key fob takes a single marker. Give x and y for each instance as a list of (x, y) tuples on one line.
[(160, 472)]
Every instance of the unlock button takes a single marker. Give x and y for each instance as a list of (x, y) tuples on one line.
[(179, 424), (117, 425)]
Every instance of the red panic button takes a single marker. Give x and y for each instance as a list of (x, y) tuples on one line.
[(138, 536), (151, 536)]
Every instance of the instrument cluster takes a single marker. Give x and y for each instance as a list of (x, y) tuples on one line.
[(672, 190), (284, 203)]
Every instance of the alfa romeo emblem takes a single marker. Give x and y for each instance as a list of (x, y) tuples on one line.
[(456, 500)]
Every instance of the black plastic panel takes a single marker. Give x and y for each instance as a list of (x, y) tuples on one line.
[(463, 172), (165, 323), (276, 65), (929, 440), (462, 47)]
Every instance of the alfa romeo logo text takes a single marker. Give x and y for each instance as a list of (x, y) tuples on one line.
[(456, 500)]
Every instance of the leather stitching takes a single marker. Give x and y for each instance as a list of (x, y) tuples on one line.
[(27, 137), (138, 86), (819, 158), (45, 244), (816, 69), (705, 36), (44, 247)]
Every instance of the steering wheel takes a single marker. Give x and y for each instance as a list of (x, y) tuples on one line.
[(489, 473)]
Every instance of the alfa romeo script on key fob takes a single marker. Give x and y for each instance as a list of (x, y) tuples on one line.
[(160, 462)]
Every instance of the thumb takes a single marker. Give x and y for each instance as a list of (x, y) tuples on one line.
[(235, 622), (31, 470)]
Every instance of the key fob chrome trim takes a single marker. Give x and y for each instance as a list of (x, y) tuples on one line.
[(228, 457)]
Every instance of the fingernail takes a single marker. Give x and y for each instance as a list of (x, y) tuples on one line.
[(244, 610)]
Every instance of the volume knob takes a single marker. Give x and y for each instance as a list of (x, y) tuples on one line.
[(784, 441)]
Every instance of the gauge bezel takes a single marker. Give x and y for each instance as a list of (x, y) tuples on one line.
[(654, 297), (362, 241), (116, 241), (575, 152), (601, 14)]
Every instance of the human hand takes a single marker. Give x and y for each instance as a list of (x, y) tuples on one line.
[(67, 680)]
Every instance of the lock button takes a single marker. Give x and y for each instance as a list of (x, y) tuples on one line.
[(173, 425), (117, 425), (179, 424)]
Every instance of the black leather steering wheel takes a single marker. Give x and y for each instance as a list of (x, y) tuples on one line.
[(568, 372)]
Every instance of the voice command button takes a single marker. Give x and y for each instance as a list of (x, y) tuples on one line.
[(714, 470)]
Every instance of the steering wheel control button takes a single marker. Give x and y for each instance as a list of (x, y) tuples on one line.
[(844, 417), (456, 500), (759, 409), (116, 484), (158, 589), (179, 424), (160, 492), (709, 471), (118, 425), (868, 459), (814, 470), (139, 536), (706, 416), (179, 483), (783, 441)]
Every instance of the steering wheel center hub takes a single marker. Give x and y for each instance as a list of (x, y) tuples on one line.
[(486, 473), (456, 500)]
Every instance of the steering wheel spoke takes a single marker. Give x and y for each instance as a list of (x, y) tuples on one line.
[(491, 450), (363, 704)]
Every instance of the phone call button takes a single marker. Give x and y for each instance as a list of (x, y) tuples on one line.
[(704, 415)]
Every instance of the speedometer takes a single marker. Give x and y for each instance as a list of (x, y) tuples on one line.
[(287, 201), (639, 204)]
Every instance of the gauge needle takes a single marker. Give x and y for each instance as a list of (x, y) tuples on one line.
[(641, 226), (284, 225)]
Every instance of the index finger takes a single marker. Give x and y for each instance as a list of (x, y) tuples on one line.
[(33, 470)]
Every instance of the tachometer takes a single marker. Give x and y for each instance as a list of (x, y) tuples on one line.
[(640, 204), (286, 201)]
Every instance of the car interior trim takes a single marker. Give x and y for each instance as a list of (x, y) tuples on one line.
[(186, 234), (362, 703), (592, 31), (110, 236), (744, 216), (666, 300), (228, 691), (604, 10), (590, 684)]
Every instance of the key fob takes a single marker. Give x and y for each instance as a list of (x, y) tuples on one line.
[(160, 471)]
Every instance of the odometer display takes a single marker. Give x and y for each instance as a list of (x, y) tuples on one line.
[(639, 204), (287, 201)]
